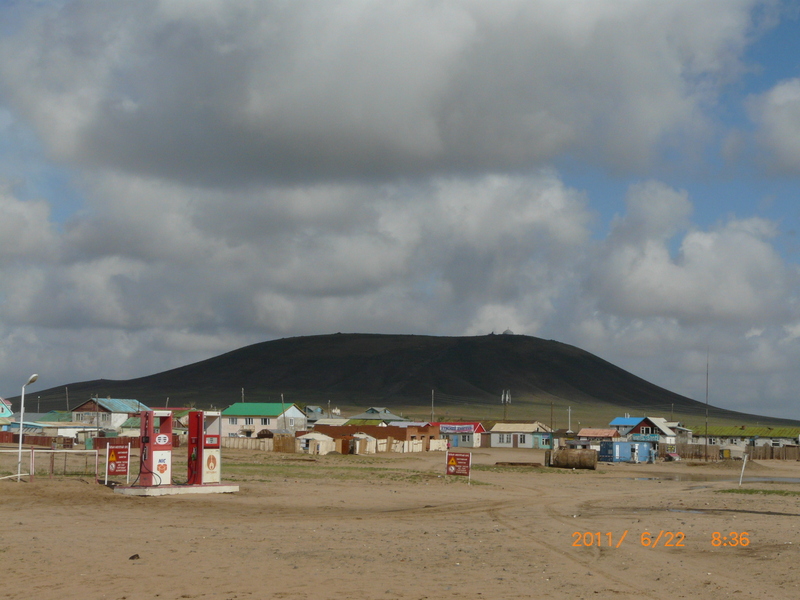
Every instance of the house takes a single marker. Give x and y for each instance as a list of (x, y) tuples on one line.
[(375, 415), (389, 438), (313, 414), (5, 408), (520, 435), (625, 451), (316, 443), (106, 413), (644, 429), (741, 436), (246, 419), (462, 435), (590, 438)]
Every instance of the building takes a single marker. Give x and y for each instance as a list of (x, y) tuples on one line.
[(389, 438), (375, 415), (741, 436), (247, 419), (625, 451), (463, 435), (521, 435), (106, 413), (591, 438)]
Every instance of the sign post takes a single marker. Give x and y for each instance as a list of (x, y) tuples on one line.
[(459, 463), (117, 461)]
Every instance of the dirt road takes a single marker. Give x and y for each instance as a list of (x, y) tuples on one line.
[(392, 527)]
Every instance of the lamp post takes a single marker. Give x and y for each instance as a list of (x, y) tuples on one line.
[(31, 379)]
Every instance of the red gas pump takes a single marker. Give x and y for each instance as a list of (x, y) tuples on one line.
[(156, 452), (204, 448)]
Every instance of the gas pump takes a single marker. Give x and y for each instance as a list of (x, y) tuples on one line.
[(156, 453), (204, 447)]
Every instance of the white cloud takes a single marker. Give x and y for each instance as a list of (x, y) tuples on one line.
[(777, 115), (730, 273)]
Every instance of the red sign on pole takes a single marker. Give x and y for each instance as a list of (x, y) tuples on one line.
[(117, 463), (459, 463)]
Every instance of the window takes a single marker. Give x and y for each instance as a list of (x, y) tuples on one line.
[(265, 421), (233, 421), (248, 420), (646, 430), (291, 422), (521, 438), (232, 435), (464, 438)]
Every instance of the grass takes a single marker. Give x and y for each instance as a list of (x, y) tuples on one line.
[(265, 472), (750, 491)]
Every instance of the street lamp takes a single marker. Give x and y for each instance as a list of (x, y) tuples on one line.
[(31, 379)]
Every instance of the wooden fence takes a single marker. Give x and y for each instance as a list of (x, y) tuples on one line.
[(698, 452), (768, 452)]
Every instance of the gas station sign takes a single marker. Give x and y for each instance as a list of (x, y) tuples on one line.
[(459, 463), (117, 461)]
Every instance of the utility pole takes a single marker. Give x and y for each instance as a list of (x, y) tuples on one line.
[(431, 406), (706, 444), (242, 394), (569, 418), (505, 400)]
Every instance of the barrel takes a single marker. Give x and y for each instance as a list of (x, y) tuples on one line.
[(575, 459)]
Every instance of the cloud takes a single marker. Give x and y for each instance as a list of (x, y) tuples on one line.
[(236, 93), (777, 115), (254, 170), (732, 272)]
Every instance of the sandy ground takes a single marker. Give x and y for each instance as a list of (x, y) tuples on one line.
[(392, 527)]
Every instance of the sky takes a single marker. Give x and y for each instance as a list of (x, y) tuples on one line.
[(180, 179)]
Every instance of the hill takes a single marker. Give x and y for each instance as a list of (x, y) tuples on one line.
[(465, 376)]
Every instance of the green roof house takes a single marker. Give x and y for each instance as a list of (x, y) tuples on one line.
[(246, 419)]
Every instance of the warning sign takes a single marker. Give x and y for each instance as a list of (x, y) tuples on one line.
[(117, 460), (459, 463)]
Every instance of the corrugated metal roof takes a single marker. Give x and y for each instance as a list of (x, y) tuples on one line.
[(520, 428), (331, 421), (747, 432), (589, 432), (121, 405), (627, 421), (55, 417), (256, 409), (384, 415)]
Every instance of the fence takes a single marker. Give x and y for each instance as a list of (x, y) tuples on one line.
[(768, 452), (41, 462), (698, 452), (100, 443)]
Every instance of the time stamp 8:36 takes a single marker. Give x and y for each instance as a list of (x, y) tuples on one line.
[(656, 539)]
